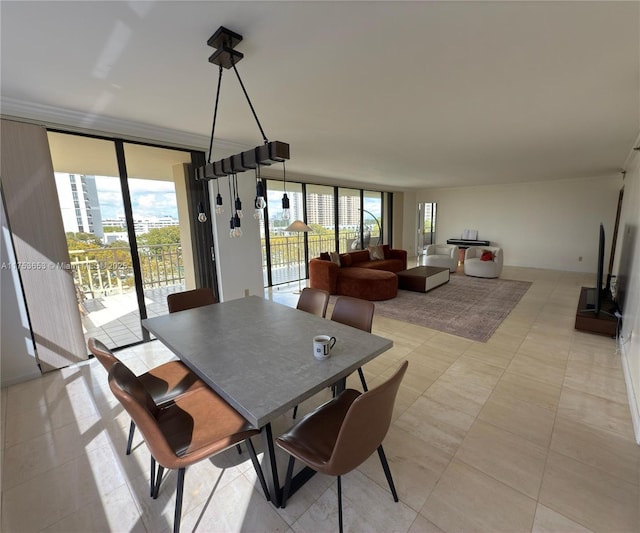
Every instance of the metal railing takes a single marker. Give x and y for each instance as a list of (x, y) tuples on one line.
[(284, 251), (109, 271)]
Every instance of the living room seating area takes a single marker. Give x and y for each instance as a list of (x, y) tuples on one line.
[(367, 274)]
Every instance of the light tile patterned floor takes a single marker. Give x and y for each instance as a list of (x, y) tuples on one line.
[(529, 432)]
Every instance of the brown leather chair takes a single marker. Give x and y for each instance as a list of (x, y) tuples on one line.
[(313, 301), (163, 383), (193, 427), (179, 301), (340, 435), (357, 314)]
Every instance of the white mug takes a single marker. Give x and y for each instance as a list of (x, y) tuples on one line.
[(322, 345)]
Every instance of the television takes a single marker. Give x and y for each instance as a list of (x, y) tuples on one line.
[(595, 295)]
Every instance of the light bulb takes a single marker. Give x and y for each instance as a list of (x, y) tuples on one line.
[(219, 208), (257, 214), (202, 217), (260, 202), (285, 207), (238, 207), (232, 228)]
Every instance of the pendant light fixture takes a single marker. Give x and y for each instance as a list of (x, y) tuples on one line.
[(226, 57), (219, 206), (259, 202), (286, 213)]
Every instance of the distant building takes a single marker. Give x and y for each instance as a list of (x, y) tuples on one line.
[(141, 225), (78, 197)]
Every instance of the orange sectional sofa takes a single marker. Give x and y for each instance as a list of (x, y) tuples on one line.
[(358, 275)]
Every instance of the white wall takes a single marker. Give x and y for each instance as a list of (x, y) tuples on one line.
[(542, 225), (627, 267), (239, 261)]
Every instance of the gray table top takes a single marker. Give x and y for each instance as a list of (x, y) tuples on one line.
[(258, 355)]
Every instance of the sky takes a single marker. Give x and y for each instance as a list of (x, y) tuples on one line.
[(148, 198)]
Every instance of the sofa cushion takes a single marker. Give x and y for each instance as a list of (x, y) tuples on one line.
[(345, 260), (367, 283), (335, 258), (390, 265), (386, 250), (325, 256), (359, 257)]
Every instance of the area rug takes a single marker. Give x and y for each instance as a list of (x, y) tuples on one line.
[(467, 307)]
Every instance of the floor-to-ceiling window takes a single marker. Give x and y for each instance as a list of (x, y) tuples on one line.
[(372, 217), (349, 216), (283, 250), (340, 218), (321, 218), (125, 214), (426, 226)]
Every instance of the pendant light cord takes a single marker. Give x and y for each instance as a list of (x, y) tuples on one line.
[(284, 177), (215, 114), (264, 137)]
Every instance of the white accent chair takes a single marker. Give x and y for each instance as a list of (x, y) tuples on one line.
[(474, 266), (442, 255)]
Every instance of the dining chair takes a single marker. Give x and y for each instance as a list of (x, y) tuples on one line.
[(340, 435), (356, 313), (183, 432), (179, 301), (313, 301), (163, 383)]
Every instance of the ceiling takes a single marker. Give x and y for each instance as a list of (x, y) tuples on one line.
[(399, 95)]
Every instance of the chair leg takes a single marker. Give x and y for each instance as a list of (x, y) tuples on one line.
[(287, 483), (152, 477), (179, 490), (340, 503), (362, 380), (295, 412), (132, 429), (387, 472), (156, 488), (258, 469)]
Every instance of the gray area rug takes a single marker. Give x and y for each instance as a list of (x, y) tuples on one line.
[(467, 307)]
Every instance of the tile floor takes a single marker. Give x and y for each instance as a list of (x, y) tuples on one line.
[(529, 432)]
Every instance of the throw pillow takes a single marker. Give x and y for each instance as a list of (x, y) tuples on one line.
[(335, 258), (345, 260), (486, 256), (325, 256), (376, 253), (386, 249)]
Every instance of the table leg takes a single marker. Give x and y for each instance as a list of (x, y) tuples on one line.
[(271, 465)]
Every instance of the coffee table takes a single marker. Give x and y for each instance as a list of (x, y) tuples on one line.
[(422, 278)]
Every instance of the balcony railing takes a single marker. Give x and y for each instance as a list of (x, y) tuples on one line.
[(109, 271), (284, 252)]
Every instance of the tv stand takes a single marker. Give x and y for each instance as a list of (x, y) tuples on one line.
[(604, 323)]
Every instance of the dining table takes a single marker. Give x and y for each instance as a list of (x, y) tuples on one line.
[(258, 355)]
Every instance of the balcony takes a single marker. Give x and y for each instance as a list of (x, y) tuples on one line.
[(105, 288), (284, 252)]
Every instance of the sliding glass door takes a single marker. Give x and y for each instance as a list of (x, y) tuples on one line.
[(125, 215)]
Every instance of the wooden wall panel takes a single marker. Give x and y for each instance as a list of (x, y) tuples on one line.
[(34, 216)]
